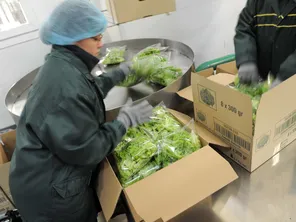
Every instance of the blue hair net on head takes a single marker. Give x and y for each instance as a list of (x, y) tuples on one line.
[(72, 21)]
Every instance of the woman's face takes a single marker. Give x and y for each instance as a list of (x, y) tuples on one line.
[(91, 45)]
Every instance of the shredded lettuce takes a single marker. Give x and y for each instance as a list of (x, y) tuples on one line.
[(152, 65), (114, 55), (152, 146), (165, 75)]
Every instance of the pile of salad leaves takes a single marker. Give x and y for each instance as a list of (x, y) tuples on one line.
[(152, 146), (255, 91), (152, 65)]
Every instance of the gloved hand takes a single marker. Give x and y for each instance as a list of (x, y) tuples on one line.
[(133, 115), (248, 73), (275, 83), (125, 68)]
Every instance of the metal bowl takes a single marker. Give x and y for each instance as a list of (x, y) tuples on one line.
[(181, 56)]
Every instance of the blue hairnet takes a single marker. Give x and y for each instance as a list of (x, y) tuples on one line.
[(72, 21)]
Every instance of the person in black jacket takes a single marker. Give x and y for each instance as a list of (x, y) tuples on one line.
[(265, 41)]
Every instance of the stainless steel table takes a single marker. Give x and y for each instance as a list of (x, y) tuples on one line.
[(266, 195)]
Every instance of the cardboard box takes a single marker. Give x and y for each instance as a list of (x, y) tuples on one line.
[(128, 10), (230, 117), (8, 141), (172, 190), (7, 146), (5, 204), (3, 156), (5, 196)]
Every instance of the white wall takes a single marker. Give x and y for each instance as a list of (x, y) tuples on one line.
[(206, 26), (16, 61)]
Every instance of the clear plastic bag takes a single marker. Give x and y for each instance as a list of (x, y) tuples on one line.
[(134, 152), (146, 171), (114, 56), (142, 68), (165, 75), (153, 145), (151, 50), (177, 145), (162, 123)]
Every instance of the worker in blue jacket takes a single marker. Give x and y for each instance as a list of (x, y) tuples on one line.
[(265, 40), (62, 134)]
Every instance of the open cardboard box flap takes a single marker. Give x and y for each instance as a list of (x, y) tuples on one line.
[(229, 67), (186, 93), (184, 183), (6, 202), (221, 78), (4, 175), (108, 189), (174, 189), (8, 141), (3, 156)]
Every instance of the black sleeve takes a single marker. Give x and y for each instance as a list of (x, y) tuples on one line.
[(287, 68), (73, 133), (245, 38), (108, 80)]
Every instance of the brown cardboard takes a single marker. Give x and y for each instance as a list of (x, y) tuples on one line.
[(5, 195), (7, 144), (227, 68), (186, 93), (230, 118), (224, 79), (207, 72), (5, 204), (172, 190), (108, 193), (128, 10), (182, 190), (4, 174), (9, 141), (3, 157)]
